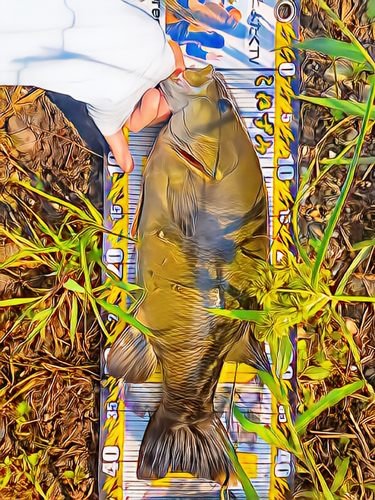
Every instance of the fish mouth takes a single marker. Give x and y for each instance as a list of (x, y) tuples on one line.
[(192, 161)]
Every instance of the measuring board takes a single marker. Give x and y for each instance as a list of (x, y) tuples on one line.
[(262, 81)]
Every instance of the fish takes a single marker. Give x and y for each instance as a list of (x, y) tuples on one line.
[(201, 226)]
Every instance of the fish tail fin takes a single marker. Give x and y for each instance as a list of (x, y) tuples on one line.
[(171, 444)]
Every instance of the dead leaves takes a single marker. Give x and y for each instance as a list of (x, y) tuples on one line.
[(48, 369), (341, 439)]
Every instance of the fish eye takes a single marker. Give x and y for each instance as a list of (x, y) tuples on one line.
[(223, 105)]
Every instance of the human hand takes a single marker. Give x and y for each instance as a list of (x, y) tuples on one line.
[(120, 149), (235, 14)]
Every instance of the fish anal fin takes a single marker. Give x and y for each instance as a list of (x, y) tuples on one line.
[(250, 351), (238, 352), (131, 357), (182, 204)]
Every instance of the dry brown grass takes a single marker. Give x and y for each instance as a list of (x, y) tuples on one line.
[(49, 361)]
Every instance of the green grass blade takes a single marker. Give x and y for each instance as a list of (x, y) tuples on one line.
[(41, 315), (42, 224), (72, 208), (248, 488), (35, 483), (73, 286), (331, 399), (64, 223), (352, 345), (32, 253), (308, 186), (25, 314), (124, 316), (254, 316), (285, 354), (353, 266), (273, 386), (114, 281), (6, 479), (33, 459), (353, 298), (327, 494), (347, 32), (347, 107), (295, 211), (96, 215), (88, 286), (340, 475), (333, 48), (371, 9), (48, 313), (98, 316), (267, 434), (73, 319), (16, 238), (316, 373), (363, 244), (18, 302), (124, 285), (344, 191), (363, 160), (23, 408)]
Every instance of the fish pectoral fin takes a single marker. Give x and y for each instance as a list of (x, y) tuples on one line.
[(182, 204), (131, 357), (250, 351)]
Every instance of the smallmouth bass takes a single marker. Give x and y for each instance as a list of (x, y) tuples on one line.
[(202, 225)]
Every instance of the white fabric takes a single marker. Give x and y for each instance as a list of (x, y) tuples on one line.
[(106, 53)]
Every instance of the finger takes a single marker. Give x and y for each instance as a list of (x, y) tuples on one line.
[(125, 162), (120, 149)]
